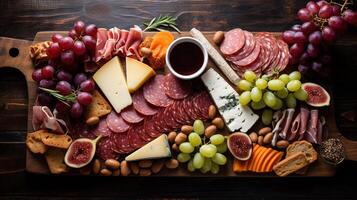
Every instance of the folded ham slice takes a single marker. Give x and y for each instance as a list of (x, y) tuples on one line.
[(43, 118), (311, 132)]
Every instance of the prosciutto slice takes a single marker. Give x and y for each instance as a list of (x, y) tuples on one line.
[(132, 43), (120, 45), (320, 129), (305, 113), (311, 132), (295, 127), (278, 119), (43, 118), (287, 123), (102, 38)]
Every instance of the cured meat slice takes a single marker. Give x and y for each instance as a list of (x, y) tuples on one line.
[(311, 132), (247, 48), (141, 105), (182, 117), (169, 116), (203, 104), (284, 55), (250, 58), (271, 44), (150, 127), (132, 43), (143, 134), (295, 127), (233, 41), (305, 113), (176, 88), (104, 149), (287, 125), (154, 92), (130, 115), (121, 143), (134, 136), (189, 109), (102, 129), (257, 65), (116, 123), (120, 45)]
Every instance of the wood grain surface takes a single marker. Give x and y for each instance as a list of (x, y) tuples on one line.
[(24, 18)]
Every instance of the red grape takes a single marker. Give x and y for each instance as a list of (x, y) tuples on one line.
[(79, 78), (321, 3), (64, 88), (84, 98), (315, 38), (317, 67), (336, 10), (72, 33), (79, 27), (66, 43), (337, 24), (62, 107), (64, 76), (325, 11), (304, 69), (54, 50), (89, 42), (312, 50), (56, 37), (37, 75), (49, 84), (305, 59), (91, 30), (76, 110), (288, 37), (299, 37), (312, 7), (67, 57), (48, 72), (296, 27), (350, 17), (308, 27), (296, 50), (304, 15), (44, 99), (79, 48), (87, 86), (328, 34)]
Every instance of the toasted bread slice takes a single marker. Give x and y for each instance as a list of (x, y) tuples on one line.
[(304, 147), (34, 142), (54, 158), (291, 164)]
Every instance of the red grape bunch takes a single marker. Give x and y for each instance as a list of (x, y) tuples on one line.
[(309, 42), (61, 84)]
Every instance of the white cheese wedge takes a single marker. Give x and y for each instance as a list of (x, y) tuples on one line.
[(236, 116), (158, 148), (111, 80), (137, 73)]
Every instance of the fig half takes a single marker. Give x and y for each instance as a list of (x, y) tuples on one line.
[(317, 95), (240, 145)]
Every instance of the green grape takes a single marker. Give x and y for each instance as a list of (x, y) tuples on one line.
[(266, 77), (294, 85), (295, 75), (183, 157), (208, 150), (267, 116), (216, 139), (214, 168), (256, 94), (278, 105), (190, 166), (276, 85), (245, 85), (219, 159), (250, 76), (222, 148), (301, 95), (198, 127), (261, 83), (282, 93), (206, 166), (186, 147), (290, 101), (244, 98), (285, 78), (269, 99), (198, 161), (257, 105), (194, 139)]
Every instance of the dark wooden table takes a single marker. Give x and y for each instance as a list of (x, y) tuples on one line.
[(23, 18)]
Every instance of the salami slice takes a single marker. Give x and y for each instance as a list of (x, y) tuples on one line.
[(233, 41), (250, 58), (121, 143), (130, 115), (134, 136), (154, 92), (116, 123), (143, 134), (204, 102), (102, 129), (271, 44), (176, 88), (141, 105), (150, 127), (246, 50), (104, 149), (284, 55)]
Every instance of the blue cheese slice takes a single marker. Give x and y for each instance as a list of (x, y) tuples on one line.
[(236, 116)]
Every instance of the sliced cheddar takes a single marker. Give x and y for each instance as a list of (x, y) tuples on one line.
[(137, 73), (111, 80)]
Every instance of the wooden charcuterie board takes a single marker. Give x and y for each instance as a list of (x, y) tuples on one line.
[(37, 164)]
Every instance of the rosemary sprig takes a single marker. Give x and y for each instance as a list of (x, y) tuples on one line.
[(161, 23), (55, 93)]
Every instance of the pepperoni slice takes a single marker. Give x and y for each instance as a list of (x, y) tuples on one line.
[(154, 92), (176, 88), (250, 58), (102, 129), (116, 123), (233, 41), (104, 149), (130, 115), (247, 49), (134, 136), (141, 105), (121, 143)]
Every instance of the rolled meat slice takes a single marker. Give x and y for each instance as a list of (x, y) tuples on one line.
[(278, 119), (305, 114), (311, 132), (295, 127), (287, 123)]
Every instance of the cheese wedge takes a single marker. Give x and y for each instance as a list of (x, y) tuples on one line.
[(158, 148), (137, 73), (111, 80)]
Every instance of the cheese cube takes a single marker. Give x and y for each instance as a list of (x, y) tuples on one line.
[(111, 80), (158, 148), (137, 73)]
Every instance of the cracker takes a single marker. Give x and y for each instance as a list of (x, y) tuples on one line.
[(34, 142), (98, 108), (54, 140), (55, 160)]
